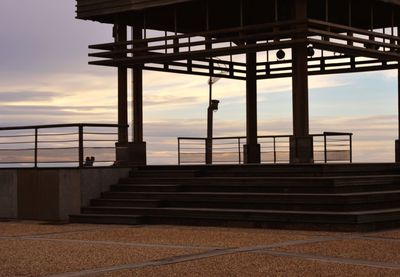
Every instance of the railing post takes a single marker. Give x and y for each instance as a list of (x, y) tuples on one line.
[(274, 150), (36, 148), (325, 149), (239, 152), (80, 145), (351, 148), (208, 152), (179, 151)]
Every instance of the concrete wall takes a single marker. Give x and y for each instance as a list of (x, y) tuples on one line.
[(8, 194), (52, 194)]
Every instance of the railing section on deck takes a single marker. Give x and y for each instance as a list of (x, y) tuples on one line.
[(57, 145), (328, 147)]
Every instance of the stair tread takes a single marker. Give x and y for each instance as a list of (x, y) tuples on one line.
[(106, 215), (262, 193), (368, 212)]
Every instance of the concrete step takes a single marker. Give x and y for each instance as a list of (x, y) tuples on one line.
[(276, 187), (338, 196), (254, 215), (144, 188), (273, 181), (284, 170), (290, 198), (125, 202), (107, 218), (245, 205), (164, 173)]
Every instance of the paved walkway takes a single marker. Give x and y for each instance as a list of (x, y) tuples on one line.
[(40, 249)]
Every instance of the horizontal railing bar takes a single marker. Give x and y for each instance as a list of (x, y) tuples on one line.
[(62, 148), (57, 134), (18, 136), (19, 149), (58, 126), (98, 147), (57, 141), (16, 162), (96, 133), (17, 142), (104, 140)]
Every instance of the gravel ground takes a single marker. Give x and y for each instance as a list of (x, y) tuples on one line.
[(388, 234), (256, 265), (24, 228), (37, 249), (213, 237), (40, 258), (371, 250)]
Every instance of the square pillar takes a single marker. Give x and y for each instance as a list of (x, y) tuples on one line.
[(131, 154), (301, 149), (301, 144), (252, 148), (120, 35), (397, 143)]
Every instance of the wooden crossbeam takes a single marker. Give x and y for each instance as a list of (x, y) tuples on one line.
[(322, 35)]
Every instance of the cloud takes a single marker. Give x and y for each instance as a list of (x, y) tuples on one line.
[(26, 96), (169, 100)]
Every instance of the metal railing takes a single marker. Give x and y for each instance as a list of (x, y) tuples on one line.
[(328, 147), (57, 145)]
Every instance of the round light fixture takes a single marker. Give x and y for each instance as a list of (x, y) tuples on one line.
[(280, 54)]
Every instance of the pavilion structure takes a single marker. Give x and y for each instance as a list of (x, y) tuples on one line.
[(278, 38)]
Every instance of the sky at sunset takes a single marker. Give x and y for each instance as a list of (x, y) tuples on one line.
[(45, 79)]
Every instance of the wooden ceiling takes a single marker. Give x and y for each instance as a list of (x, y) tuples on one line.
[(190, 15)]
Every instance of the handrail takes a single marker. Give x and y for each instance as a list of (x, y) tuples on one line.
[(58, 126), (333, 147), (56, 142)]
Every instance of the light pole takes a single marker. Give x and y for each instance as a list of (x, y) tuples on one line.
[(212, 107)]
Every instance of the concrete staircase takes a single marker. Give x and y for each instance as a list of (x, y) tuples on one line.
[(357, 197)]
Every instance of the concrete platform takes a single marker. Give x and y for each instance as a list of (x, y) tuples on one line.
[(342, 197), (29, 248)]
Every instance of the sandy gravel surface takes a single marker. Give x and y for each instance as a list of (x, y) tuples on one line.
[(24, 228), (388, 234), (40, 258), (213, 237), (257, 265), (371, 250), (38, 249)]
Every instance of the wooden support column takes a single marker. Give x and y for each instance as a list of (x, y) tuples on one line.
[(252, 148), (301, 143), (397, 149), (137, 94), (134, 153), (120, 35)]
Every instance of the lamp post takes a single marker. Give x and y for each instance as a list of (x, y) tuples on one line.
[(212, 107)]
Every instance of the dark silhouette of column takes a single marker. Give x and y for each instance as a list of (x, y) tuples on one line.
[(301, 143), (252, 148), (397, 149), (137, 94), (120, 35), (133, 153)]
